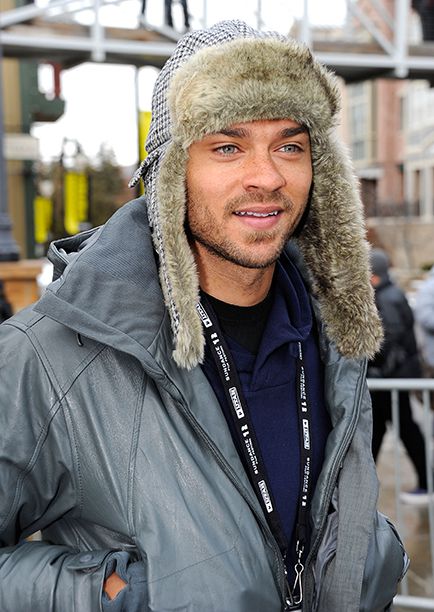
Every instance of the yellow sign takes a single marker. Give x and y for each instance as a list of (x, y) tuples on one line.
[(43, 218), (144, 124), (75, 200)]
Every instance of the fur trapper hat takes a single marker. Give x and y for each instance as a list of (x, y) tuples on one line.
[(230, 74)]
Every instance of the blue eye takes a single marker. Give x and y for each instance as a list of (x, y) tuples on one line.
[(227, 149), (291, 148)]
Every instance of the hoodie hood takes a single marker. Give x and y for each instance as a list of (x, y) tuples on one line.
[(230, 74), (379, 262)]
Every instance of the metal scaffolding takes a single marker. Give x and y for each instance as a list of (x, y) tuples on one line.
[(51, 32), (373, 43)]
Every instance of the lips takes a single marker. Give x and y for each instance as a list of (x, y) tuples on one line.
[(259, 218), (251, 213)]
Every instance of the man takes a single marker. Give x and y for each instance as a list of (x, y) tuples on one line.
[(168, 18), (424, 314), (398, 358), (425, 10), (5, 307), (187, 425)]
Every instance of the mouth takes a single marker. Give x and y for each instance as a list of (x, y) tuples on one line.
[(261, 215), (264, 218)]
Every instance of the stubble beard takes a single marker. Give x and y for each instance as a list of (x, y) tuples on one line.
[(203, 231)]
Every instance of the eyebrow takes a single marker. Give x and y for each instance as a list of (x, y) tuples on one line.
[(243, 133), (234, 133), (288, 132)]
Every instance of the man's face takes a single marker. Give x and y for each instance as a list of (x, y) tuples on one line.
[(247, 188)]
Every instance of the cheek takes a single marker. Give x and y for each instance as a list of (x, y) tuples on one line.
[(301, 183), (199, 205), (208, 194), (200, 185)]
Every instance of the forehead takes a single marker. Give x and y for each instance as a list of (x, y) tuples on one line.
[(280, 128)]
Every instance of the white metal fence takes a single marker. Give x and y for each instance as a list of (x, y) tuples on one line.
[(425, 387)]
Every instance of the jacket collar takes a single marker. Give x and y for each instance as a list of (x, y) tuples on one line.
[(106, 287)]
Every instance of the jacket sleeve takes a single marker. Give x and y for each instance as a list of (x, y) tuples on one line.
[(398, 356), (37, 577), (37, 487), (424, 307)]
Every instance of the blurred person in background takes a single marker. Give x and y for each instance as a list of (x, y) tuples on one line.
[(5, 307), (424, 314), (188, 421), (398, 358), (425, 10), (168, 17)]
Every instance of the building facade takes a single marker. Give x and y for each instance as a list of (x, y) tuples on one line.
[(390, 131)]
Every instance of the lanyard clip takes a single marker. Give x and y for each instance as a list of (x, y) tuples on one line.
[(297, 589), (294, 598)]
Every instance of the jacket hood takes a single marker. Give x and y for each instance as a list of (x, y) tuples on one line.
[(106, 287), (231, 73)]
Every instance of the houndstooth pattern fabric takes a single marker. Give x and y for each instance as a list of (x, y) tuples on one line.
[(159, 135)]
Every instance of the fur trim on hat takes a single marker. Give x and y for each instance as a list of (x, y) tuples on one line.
[(232, 74), (336, 253), (249, 80), (180, 266)]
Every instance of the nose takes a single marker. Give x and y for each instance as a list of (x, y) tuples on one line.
[(260, 172)]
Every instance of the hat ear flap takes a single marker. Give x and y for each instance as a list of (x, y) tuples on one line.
[(336, 252), (178, 271)]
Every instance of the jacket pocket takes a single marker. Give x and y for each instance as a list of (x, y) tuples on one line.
[(386, 564), (134, 596), (101, 564)]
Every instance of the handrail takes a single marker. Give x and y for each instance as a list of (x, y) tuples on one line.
[(426, 386), (401, 384)]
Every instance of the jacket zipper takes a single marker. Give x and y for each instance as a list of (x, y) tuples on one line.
[(331, 483), (225, 466)]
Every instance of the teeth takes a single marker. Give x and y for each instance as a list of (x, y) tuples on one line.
[(256, 214)]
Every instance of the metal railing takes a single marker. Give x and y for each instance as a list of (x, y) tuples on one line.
[(425, 387)]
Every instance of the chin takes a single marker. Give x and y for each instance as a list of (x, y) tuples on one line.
[(254, 262)]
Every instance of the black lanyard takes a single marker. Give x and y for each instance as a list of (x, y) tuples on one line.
[(250, 447)]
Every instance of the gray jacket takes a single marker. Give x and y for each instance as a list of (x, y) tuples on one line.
[(424, 315), (106, 445)]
